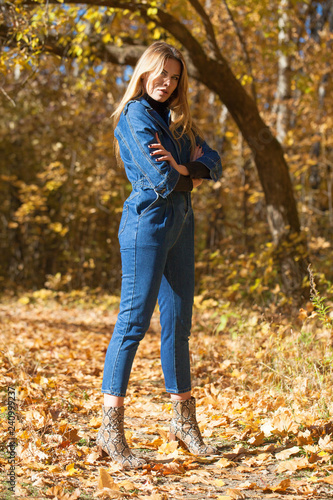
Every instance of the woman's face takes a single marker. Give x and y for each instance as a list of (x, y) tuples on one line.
[(161, 87)]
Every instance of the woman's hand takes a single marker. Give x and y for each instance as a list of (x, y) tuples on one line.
[(197, 153), (166, 156)]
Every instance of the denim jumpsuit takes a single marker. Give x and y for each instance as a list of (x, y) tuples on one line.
[(156, 236)]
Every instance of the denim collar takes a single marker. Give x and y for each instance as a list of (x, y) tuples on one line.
[(155, 113)]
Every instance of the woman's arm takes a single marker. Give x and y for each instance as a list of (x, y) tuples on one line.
[(134, 132), (159, 149), (210, 159), (191, 175)]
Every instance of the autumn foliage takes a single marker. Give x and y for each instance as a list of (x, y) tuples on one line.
[(262, 367), (61, 192), (263, 388)]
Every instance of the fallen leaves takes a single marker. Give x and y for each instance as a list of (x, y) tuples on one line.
[(59, 416), (59, 493), (168, 448), (257, 439), (107, 484), (294, 465), (288, 452), (224, 462)]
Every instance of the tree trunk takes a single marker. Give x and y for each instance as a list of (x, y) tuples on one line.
[(272, 169), (207, 64), (284, 80)]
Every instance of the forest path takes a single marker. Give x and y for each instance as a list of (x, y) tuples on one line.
[(53, 354)]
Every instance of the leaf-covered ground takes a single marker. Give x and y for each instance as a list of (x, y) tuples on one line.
[(263, 389)]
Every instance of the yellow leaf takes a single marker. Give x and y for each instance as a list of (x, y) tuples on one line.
[(257, 439), (313, 479), (293, 465), (285, 454), (24, 300), (95, 422), (106, 38), (152, 11), (219, 482), (156, 442), (235, 494), (279, 488), (54, 468), (224, 462), (128, 485), (71, 470), (106, 481), (167, 448), (302, 316), (327, 479)]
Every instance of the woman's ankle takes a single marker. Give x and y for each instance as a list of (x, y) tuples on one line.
[(181, 397), (114, 401)]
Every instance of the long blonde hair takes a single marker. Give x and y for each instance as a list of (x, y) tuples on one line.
[(152, 61)]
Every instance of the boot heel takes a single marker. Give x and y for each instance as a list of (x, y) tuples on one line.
[(111, 441), (173, 437), (101, 452), (184, 428)]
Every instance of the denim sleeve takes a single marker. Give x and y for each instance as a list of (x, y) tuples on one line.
[(137, 133), (211, 159)]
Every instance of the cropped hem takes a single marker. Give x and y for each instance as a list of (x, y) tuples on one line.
[(179, 391), (116, 394)]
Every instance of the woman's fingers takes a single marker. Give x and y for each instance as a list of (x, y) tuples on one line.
[(157, 152), (197, 153), (159, 145)]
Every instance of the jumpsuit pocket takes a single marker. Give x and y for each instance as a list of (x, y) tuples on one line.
[(146, 203), (123, 220), (124, 216)]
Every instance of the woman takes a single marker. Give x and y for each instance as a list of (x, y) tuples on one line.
[(164, 158)]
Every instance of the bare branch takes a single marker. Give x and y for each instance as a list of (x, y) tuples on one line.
[(208, 27), (244, 48), (7, 97)]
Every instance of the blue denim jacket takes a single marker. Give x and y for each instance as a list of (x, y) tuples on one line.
[(136, 129)]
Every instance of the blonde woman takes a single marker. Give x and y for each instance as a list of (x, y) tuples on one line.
[(164, 157)]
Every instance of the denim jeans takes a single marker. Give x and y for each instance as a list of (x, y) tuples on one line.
[(156, 237)]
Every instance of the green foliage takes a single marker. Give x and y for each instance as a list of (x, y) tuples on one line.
[(318, 302)]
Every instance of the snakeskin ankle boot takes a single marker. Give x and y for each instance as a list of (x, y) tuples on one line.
[(184, 428), (111, 439)]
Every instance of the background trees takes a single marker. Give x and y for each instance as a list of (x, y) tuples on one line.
[(257, 70)]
